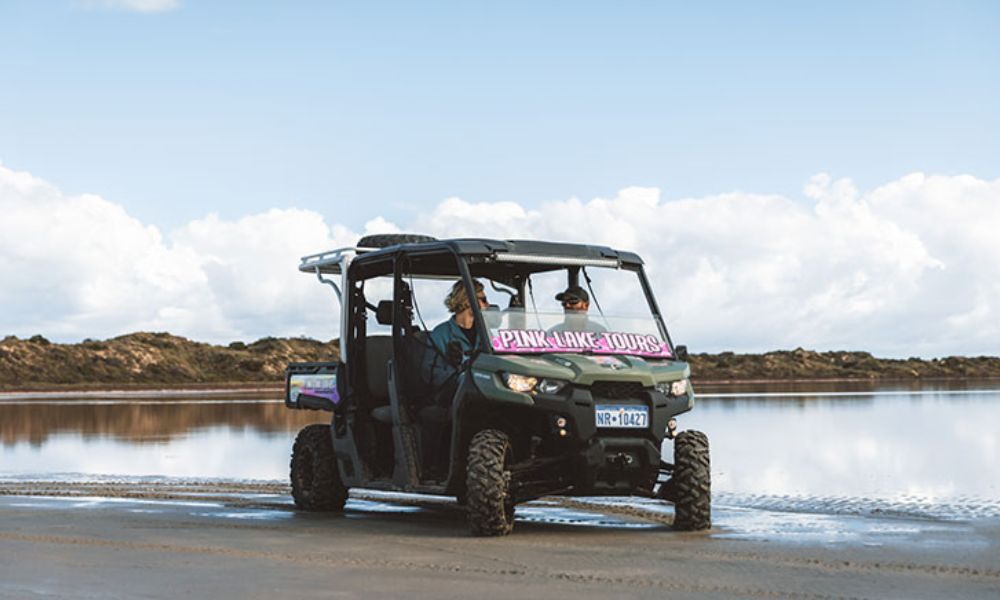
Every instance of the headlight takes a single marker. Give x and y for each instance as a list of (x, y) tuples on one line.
[(551, 386), (520, 383), (676, 388)]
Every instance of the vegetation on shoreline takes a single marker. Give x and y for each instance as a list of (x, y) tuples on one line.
[(801, 364), (160, 359), (146, 359)]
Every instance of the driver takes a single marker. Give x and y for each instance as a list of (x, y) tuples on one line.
[(454, 338), (576, 302)]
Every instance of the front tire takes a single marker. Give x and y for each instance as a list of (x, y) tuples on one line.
[(489, 503), (691, 484), (316, 484)]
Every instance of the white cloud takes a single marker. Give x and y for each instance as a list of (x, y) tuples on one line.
[(80, 266), (909, 268), (144, 6)]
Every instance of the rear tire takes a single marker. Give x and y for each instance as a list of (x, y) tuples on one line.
[(316, 484), (489, 503), (691, 485)]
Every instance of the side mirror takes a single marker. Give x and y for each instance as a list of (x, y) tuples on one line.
[(383, 312), (681, 352)]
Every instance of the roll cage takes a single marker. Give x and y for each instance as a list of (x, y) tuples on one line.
[(508, 262)]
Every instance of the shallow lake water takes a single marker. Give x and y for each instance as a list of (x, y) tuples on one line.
[(929, 451), (924, 451)]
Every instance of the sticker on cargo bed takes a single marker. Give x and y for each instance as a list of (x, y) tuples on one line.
[(320, 386), (604, 342)]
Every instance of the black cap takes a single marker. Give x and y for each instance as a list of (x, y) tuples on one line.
[(573, 292)]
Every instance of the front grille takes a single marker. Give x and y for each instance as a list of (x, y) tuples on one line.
[(617, 390)]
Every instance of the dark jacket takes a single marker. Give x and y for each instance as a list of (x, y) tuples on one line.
[(436, 369)]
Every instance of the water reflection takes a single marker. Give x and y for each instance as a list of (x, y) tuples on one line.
[(839, 446), (235, 437), (201, 453), (780, 395), (929, 445), (813, 388), (144, 422)]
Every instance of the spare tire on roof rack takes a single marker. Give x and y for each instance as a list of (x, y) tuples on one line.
[(384, 240)]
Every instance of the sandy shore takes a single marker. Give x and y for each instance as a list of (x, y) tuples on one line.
[(165, 539)]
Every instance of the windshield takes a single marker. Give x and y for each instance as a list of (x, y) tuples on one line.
[(529, 332), (591, 310)]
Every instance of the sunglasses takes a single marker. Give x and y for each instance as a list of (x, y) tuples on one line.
[(573, 302)]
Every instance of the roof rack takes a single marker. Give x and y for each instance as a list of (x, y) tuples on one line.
[(330, 262)]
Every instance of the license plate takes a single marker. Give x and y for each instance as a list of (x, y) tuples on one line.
[(616, 416)]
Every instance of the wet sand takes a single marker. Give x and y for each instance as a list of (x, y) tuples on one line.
[(170, 538)]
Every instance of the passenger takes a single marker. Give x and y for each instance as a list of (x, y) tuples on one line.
[(576, 302), (453, 340)]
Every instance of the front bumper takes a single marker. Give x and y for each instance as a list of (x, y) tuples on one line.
[(609, 461)]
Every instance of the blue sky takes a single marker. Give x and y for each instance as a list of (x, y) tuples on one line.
[(824, 175), (365, 109)]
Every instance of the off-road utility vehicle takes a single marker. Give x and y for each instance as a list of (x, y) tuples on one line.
[(548, 402)]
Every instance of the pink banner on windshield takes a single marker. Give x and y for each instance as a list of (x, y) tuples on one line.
[(604, 342)]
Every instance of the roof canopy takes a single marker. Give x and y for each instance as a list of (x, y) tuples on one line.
[(485, 256)]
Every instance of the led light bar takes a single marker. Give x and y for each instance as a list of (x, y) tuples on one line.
[(557, 260)]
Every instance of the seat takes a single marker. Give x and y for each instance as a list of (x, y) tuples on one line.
[(416, 386), (383, 414), (378, 353)]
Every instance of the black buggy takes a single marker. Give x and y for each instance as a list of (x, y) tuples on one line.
[(543, 404)]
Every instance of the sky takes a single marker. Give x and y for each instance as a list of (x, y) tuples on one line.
[(794, 174)]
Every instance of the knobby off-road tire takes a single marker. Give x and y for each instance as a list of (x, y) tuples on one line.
[(316, 481), (691, 485), (384, 240), (488, 501)]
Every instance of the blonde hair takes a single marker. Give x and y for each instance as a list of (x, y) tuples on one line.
[(457, 300)]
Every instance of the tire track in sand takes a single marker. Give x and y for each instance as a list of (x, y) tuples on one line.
[(384, 564), (235, 495)]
